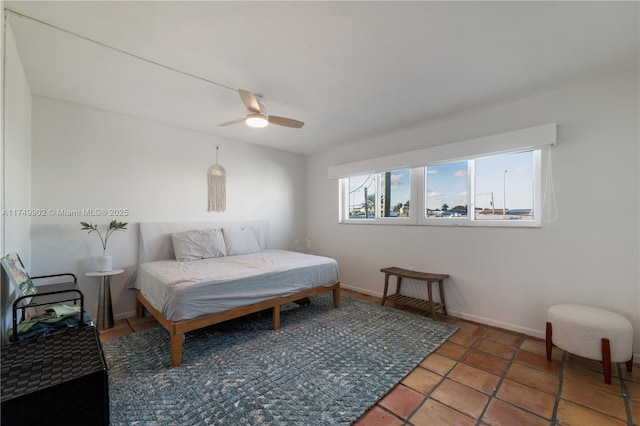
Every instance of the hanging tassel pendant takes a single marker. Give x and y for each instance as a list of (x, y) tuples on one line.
[(217, 182), (217, 193)]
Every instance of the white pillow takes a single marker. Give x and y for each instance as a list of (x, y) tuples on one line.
[(198, 244), (240, 241)]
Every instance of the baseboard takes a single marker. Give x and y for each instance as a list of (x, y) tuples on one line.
[(524, 330), (361, 290), (482, 320), (124, 315), (462, 315), (499, 324)]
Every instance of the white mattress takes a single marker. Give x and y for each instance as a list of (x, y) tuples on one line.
[(185, 290)]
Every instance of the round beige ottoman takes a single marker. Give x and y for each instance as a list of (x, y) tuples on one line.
[(592, 333)]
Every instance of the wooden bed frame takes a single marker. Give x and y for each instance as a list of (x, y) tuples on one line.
[(177, 329)]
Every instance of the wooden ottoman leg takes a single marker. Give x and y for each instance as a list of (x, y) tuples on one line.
[(630, 364), (606, 360), (548, 342)]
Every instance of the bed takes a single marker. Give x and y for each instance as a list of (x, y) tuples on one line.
[(194, 274)]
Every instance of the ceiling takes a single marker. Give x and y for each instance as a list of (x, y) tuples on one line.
[(349, 70)]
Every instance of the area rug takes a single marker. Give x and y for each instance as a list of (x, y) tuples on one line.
[(323, 366)]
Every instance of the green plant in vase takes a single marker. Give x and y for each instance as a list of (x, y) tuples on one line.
[(104, 261)]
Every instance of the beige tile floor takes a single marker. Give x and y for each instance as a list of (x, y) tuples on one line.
[(487, 376)]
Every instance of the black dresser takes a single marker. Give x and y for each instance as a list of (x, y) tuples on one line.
[(55, 380)]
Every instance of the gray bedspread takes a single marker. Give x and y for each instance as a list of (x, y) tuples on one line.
[(185, 290)]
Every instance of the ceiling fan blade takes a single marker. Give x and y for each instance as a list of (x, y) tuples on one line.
[(284, 121), (249, 100), (228, 123)]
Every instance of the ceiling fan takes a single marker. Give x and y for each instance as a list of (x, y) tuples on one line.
[(256, 118)]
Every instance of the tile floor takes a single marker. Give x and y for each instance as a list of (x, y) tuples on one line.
[(487, 376)]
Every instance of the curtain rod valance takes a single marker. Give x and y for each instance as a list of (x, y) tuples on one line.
[(517, 140)]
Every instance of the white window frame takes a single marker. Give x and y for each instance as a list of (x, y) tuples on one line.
[(418, 200), (438, 221), (470, 219), (536, 139), (343, 205)]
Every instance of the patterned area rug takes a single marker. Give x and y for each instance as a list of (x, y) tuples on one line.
[(324, 366)]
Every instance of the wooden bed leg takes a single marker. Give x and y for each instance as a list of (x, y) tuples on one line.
[(276, 317), (336, 297), (139, 309), (176, 349)]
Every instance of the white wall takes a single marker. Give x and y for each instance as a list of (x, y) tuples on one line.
[(509, 277), (88, 158), (16, 177), (17, 148)]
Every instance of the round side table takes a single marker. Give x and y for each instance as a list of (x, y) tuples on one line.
[(105, 311)]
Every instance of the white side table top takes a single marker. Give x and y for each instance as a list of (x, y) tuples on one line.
[(104, 273)]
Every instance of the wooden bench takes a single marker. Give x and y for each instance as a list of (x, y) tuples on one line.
[(424, 305)]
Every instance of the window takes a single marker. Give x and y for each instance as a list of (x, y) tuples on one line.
[(497, 190), (447, 189), (493, 180), (384, 196), (362, 196), (395, 187), (504, 187)]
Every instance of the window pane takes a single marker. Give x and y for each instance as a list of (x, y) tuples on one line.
[(447, 190), (504, 187), (394, 186), (362, 196)]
